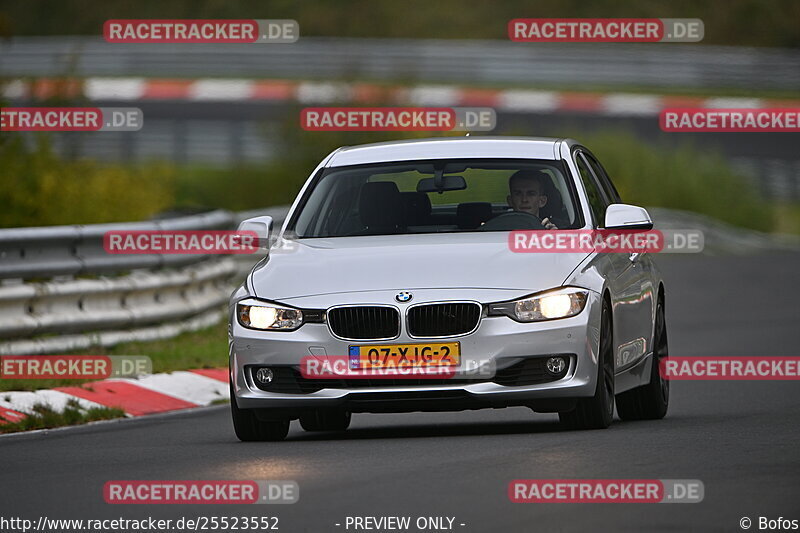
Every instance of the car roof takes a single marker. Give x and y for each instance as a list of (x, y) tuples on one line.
[(448, 148)]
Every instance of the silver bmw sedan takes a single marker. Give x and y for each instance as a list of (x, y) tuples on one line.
[(395, 285)]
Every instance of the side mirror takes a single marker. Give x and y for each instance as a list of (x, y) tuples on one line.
[(624, 216), (262, 226)]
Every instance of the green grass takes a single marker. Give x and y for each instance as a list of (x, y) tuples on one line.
[(787, 218), (237, 189), (733, 22), (40, 188), (207, 348), (683, 177), (44, 417), (220, 401)]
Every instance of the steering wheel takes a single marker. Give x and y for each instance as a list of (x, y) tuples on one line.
[(513, 220)]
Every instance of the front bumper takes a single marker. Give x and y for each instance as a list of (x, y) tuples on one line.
[(498, 342)]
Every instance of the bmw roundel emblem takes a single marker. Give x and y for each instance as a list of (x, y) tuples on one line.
[(403, 296)]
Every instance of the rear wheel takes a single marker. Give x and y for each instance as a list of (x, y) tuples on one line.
[(651, 401), (326, 420), (249, 428), (598, 411)]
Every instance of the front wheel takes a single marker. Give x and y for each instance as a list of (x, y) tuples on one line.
[(249, 428), (651, 401), (597, 412)]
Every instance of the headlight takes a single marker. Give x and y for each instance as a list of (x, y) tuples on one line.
[(254, 314), (559, 303)]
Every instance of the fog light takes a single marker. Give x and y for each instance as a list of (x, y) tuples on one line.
[(264, 376), (556, 365)]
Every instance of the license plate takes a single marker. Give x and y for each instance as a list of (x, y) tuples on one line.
[(405, 355)]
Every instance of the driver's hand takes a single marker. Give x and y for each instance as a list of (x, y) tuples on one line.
[(548, 224)]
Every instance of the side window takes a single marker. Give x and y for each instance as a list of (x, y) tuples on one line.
[(597, 203), (605, 182)]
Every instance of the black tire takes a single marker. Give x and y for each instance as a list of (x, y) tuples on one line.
[(248, 428), (326, 420), (651, 401), (597, 412)]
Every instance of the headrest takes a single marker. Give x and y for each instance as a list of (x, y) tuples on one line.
[(417, 207), (380, 206), (555, 204)]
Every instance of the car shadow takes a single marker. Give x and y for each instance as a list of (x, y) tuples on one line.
[(430, 430)]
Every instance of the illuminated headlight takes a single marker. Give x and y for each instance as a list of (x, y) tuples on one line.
[(559, 303), (255, 314)]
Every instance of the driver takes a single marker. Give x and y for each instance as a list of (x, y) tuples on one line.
[(527, 193)]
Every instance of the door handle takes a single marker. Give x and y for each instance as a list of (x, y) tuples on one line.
[(634, 256)]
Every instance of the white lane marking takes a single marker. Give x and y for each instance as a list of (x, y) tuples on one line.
[(523, 100), (221, 89), (115, 88), (632, 104), (746, 103), (433, 95)]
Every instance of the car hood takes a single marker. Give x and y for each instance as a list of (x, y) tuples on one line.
[(310, 267)]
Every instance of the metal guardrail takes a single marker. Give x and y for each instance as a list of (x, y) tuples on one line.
[(33, 253), (155, 296), (162, 299), (140, 298), (28, 253), (426, 60)]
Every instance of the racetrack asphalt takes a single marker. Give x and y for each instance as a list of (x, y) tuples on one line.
[(739, 438)]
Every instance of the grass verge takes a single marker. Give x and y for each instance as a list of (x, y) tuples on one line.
[(44, 417), (681, 177), (206, 348)]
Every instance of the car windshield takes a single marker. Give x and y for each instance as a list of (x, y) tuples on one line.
[(437, 197)]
